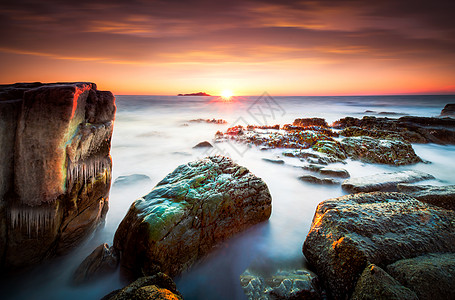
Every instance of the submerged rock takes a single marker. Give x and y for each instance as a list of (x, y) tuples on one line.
[(203, 144), (383, 181), (274, 161), (103, 260), (55, 182), (318, 180), (431, 276), (188, 213), (159, 286), (448, 110), (375, 283), (334, 172), (442, 196), (131, 179), (353, 231), (283, 284)]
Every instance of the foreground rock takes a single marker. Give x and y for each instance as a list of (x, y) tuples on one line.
[(375, 283), (431, 276), (296, 284), (103, 260), (159, 286), (442, 196), (350, 232), (383, 182), (448, 110), (56, 171), (187, 214)]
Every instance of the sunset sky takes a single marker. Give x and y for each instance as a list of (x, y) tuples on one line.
[(251, 46)]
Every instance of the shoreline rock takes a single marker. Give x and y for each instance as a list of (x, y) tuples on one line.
[(442, 196)]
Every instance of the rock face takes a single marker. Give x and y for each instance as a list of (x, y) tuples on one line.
[(55, 181), (431, 276), (442, 196), (353, 231), (156, 287), (103, 260), (283, 284), (375, 283), (448, 110), (383, 182), (187, 214)]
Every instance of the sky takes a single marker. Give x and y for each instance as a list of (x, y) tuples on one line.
[(168, 47)]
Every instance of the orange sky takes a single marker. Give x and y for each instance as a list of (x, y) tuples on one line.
[(284, 48)]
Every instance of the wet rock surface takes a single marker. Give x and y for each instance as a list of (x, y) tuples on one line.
[(103, 260), (318, 180), (442, 196), (448, 110), (375, 283), (431, 276), (283, 284), (353, 231), (57, 178), (187, 214), (159, 286), (383, 181), (126, 180)]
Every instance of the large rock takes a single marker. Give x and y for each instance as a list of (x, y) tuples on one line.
[(375, 283), (443, 196), (448, 110), (431, 276), (156, 287), (187, 214), (55, 183), (352, 231), (383, 182)]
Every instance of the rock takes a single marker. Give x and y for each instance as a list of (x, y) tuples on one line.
[(283, 284), (210, 121), (131, 179), (317, 180), (103, 260), (159, 286), (386, 182), (431, 276), (203, 144), (312, 167), (274, 161), (55, 182), (442, 196), (334, 172), (188, 213), (375, 283), (372, 150), (353, 231), (331, 149), (194, 94), (448, 110), (310, 122)]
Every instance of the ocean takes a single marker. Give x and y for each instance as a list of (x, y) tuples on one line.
[(155, 134)]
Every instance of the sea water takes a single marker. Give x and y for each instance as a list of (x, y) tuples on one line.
[(155, 134)]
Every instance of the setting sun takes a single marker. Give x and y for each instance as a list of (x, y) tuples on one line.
[(227, 94)]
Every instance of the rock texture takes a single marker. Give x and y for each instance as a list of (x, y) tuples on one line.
[(443, 196), (351, 232), (156, 287), (431, 276), (187, 214), (55, 181), (103, 260), (448, 110), (283, 284), (383, 182), (376, 284)]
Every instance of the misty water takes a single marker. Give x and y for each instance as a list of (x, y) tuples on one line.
[(154, 134)]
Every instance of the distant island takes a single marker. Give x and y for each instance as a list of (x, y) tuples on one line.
[(194, 94)]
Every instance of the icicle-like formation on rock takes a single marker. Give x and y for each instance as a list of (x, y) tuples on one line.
[(87, 170), (35, 220)]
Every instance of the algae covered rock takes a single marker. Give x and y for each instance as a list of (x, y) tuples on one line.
[(442, 196), (352, 231), (188, 213)]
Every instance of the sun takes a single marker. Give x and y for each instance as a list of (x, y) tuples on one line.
[(227, 94)]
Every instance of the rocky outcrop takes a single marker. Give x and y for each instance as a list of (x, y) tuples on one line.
[(56, 180), (375, 283), (103, 260), (448, 110), (386, 182), (442, 196), (353, 231), (305, 122), (188, 213), (156, 287), (431, 276), (283, 284), (126, 180)]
